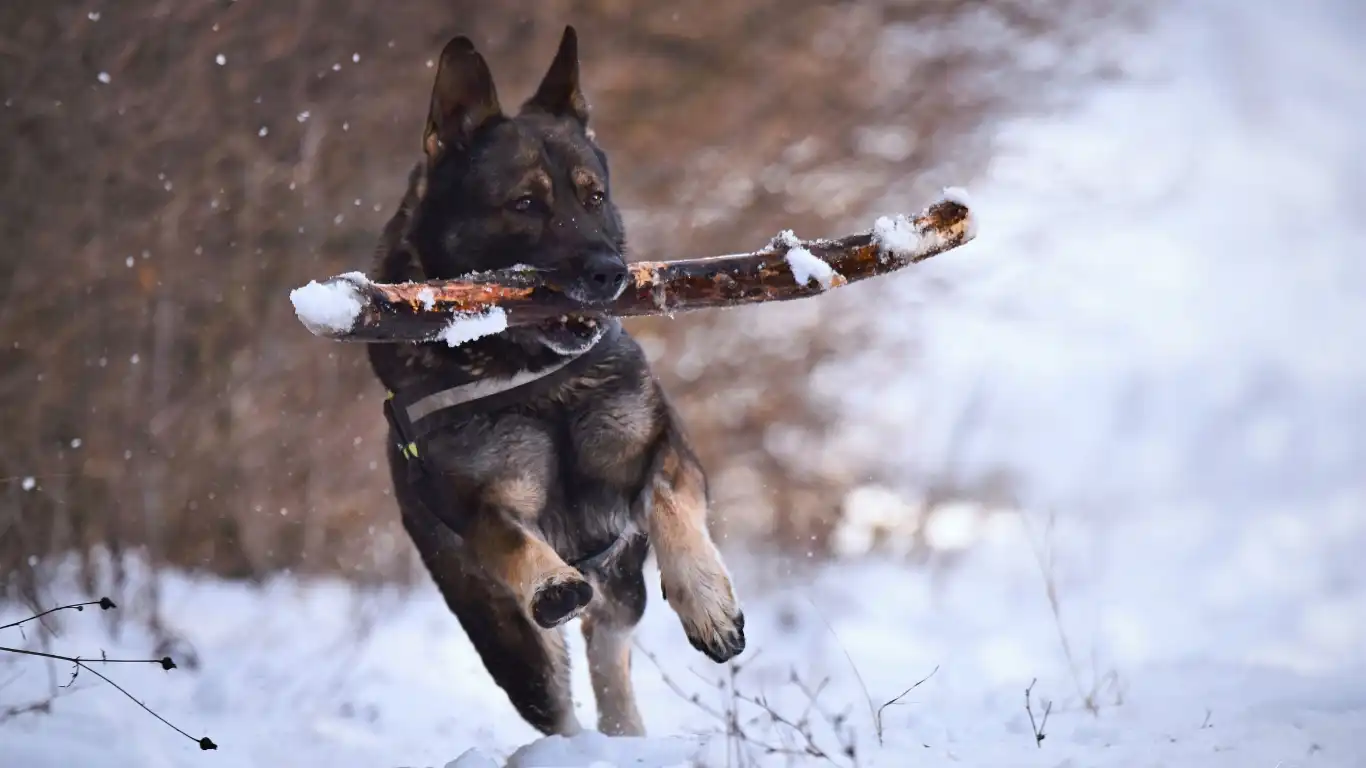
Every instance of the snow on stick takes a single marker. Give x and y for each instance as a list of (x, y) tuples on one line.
[(352, 308)]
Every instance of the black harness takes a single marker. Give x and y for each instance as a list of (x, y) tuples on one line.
[(416, 413)]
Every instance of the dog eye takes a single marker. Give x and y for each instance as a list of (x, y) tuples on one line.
[(523, 204), (595, 199)]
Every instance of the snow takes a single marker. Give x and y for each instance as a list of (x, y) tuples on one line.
[(805, 265), (1145, 315), (465, 327), (960, 195), (1201, 648), (1174, 376), (331, 306), (957, 195), (427, 297), (589, 749), (897, 235)]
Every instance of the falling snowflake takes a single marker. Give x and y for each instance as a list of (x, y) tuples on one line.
[(103, 77)]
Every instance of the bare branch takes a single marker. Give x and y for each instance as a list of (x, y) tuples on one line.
[(104, 603), (1038, 728), (877, 717), (78, 664), (351, 308)]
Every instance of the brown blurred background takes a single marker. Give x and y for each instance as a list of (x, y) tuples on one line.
[(170, 170)]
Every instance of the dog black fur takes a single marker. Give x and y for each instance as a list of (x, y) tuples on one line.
[(572, 465)]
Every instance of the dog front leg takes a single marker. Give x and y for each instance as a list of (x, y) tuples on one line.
[(551, 591), (695, 580)]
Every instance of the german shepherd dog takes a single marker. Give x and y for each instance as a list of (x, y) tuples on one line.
[(540, 504)]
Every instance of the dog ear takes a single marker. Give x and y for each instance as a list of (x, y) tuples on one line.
[(463, 98), (559, 94)]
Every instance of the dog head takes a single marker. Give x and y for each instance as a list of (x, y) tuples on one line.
[(527, 189)]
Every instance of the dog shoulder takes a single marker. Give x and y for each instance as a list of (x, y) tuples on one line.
[(621, 415)]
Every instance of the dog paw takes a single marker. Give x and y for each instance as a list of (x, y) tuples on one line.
[(722, 642), (559, 599), (711, 619)]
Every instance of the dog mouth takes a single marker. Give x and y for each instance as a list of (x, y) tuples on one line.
[(595, 293), (572, 333)]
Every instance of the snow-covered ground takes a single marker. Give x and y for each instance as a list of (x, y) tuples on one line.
[(1166, 295), (1173, 372), (1198, 652)]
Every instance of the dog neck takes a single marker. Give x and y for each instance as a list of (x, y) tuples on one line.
[(419, 405)]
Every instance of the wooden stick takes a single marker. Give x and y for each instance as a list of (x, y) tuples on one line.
[(352, 308)]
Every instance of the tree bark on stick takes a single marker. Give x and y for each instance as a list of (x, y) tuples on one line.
[(352, 308)]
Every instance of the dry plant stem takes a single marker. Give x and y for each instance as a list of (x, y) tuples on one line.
[(419, 311), (1044, 556), (79, 664), (104, 603), (1038, 727), (877, 717), (875, 713), (745, 744)]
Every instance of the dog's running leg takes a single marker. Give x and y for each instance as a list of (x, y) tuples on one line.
[(549, 590), (529, 663), (695, 580), (607, 628)]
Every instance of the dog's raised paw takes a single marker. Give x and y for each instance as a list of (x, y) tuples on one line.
[(724, 642), (560, 599), (716, 629)]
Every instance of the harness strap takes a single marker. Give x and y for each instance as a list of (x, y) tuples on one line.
[(419, 477), (427, 410), (409, 415), (479, 389)]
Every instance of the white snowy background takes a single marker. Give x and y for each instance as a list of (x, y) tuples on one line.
[(1158, 325)]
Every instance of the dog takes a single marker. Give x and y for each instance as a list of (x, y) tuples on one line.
[(539, 500)]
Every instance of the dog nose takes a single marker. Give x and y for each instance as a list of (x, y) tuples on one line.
[(606, 269)]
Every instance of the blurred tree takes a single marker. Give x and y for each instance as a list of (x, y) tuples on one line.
[(168, 171)]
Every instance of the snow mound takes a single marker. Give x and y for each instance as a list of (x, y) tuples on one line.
[(589, 749)]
